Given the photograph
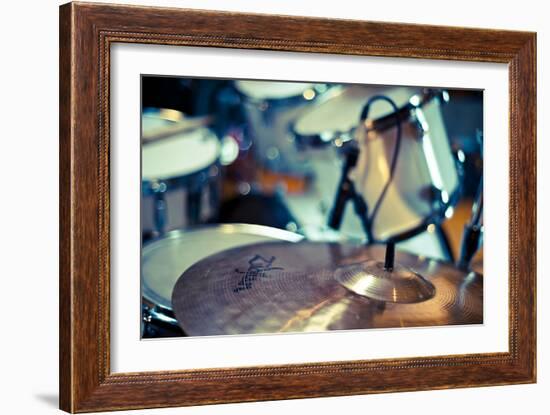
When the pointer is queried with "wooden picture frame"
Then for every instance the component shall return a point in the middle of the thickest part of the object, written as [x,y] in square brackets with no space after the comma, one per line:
[86,33]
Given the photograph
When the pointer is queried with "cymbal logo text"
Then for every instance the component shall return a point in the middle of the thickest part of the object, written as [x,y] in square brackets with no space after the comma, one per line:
[258,267]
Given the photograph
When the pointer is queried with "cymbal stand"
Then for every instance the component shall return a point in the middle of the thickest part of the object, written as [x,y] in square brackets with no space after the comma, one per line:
[473,232]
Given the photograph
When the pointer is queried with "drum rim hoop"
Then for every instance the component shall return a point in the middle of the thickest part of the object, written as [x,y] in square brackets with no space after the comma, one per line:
[379,124]
[279,102]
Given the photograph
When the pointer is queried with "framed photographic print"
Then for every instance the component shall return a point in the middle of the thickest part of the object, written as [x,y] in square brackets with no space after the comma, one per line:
[253,208]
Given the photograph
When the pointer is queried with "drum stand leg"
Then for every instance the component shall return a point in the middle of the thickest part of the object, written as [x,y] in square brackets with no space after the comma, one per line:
[160,213]
[193,207]
[444,242]
[473,232]
[346,192]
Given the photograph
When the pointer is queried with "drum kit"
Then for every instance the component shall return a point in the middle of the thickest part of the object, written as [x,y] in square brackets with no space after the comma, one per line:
[384,150]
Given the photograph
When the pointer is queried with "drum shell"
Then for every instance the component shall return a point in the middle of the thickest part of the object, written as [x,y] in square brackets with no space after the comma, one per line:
[427,176]
[201,188]
[181,178]
[426,180]
[270,123]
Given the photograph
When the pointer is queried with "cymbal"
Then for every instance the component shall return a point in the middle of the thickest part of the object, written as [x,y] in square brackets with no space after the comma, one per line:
[281,287]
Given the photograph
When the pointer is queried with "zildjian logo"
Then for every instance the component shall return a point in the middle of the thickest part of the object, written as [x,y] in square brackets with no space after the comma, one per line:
[257,267]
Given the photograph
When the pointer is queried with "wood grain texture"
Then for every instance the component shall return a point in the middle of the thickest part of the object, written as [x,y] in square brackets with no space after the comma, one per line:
[86,33]
[65,248]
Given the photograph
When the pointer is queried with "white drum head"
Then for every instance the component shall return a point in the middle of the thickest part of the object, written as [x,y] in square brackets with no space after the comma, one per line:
[271,90]
[341,112]
[153,120]
[179,155]
[164,260]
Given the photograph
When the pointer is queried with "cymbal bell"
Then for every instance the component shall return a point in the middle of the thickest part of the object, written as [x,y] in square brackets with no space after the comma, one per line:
[372,280]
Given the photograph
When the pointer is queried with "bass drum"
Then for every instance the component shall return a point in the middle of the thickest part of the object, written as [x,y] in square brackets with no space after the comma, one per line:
[165,259]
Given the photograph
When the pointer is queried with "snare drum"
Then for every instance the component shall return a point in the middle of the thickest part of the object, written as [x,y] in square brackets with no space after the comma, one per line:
[271,108]
[165,259]
[180,176]
[426,182]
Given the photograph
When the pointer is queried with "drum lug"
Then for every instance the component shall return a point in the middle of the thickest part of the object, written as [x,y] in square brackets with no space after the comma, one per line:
[145,315]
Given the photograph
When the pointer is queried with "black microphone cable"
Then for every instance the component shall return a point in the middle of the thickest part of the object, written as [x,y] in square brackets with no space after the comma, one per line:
[393,163]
